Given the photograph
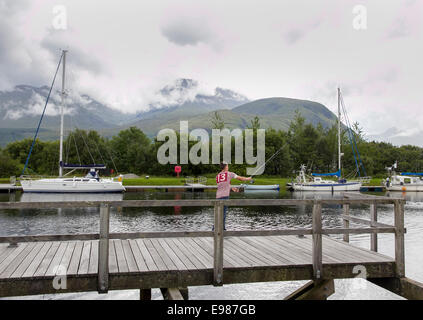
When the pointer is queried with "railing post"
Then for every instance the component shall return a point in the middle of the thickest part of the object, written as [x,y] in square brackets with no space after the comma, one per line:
[103,249]
[373,219]
[317,241]
[346,222]
[399,238]
[218,244]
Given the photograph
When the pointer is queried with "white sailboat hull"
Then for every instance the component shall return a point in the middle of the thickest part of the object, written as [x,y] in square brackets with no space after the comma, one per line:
[413,188]
[260,187]
[330,187]
[70,185]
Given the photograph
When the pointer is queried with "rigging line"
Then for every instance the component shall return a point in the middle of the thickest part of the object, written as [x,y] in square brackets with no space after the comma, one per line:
[111,158]
[269,159]
[354,150]
[42,115]
[76,148]
[88,146]
[355,143]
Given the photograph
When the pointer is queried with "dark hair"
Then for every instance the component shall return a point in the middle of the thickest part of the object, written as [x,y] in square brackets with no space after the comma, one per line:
[223,165]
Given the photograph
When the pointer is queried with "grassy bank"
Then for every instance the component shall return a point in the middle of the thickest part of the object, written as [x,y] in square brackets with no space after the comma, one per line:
[174,181]
[171,181]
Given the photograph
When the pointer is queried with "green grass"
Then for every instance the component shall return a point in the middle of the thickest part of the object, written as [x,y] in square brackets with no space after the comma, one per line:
[171,181]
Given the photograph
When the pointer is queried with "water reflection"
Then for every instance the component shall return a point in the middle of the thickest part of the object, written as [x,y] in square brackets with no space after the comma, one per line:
[67,197]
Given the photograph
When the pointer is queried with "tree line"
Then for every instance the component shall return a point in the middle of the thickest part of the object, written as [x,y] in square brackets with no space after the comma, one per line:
[131,151]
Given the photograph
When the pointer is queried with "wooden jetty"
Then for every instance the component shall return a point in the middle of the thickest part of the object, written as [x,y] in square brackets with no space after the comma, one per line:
[173,261]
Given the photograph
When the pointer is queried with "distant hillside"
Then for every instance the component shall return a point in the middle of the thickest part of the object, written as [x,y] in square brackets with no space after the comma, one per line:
[273,112]
[20,111]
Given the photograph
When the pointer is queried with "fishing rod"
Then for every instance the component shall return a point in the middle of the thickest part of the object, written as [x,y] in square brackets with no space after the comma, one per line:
[274,155]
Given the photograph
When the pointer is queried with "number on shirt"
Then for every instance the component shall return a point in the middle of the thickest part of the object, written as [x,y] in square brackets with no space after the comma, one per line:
[222,177]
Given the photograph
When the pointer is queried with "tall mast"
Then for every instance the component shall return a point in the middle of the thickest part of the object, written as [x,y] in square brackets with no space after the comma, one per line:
[339,129]
[62,114]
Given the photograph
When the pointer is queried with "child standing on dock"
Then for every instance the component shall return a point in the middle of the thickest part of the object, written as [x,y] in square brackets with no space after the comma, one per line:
[223,180]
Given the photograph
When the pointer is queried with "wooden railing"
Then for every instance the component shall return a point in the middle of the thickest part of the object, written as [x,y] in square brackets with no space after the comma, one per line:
[218,234]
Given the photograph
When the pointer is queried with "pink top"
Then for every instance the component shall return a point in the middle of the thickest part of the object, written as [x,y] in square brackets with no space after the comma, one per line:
[223,180]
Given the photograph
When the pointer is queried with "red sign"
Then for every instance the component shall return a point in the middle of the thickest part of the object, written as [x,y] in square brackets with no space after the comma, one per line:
[178,169]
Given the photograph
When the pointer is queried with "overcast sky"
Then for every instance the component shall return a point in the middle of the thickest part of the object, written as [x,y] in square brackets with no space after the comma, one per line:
[121,52]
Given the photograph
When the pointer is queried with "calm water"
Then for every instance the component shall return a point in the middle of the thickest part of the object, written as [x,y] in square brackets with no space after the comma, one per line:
[71,221]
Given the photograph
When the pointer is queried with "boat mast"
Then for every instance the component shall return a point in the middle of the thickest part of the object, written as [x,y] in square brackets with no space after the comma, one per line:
[62,114]
[339,129]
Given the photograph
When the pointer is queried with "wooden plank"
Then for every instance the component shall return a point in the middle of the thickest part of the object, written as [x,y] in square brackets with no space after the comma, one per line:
[113,264]
[14,264]
[45,263]
[12,255]
[55,262]
[129,256]
[399,238]
[155,255]
[252,257]
[93,266]
[106,258]
[120,257]
[66,259]
[149,261]
[283,250]
[195,258]
[76,258]
[373,256]
[165,257]
[317,251]
[304,244]
[218,245]
[298,252]
[243,256]
[346,222]
[200,252]
[6,252]
[268,248]
[183,256]
[23,266]
[85,258]
[269,259]
[228,259]
[192,203]
[139,259]
[37,260]
[205,245]
[171,294]
[170,251]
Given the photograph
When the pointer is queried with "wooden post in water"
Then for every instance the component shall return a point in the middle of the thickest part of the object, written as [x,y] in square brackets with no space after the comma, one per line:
[346,222]
[317,240]
[218,244]
[373,219]
[399,238]
[145,294]
[103,249]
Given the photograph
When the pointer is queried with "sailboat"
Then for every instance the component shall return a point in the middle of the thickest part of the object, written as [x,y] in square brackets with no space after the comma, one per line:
[91,183]
[316,182]
[405,181]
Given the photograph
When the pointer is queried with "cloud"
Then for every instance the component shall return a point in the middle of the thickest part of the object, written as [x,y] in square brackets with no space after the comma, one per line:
[399,29]
[187,31]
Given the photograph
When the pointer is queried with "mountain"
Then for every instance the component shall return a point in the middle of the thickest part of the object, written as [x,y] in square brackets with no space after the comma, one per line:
[185,97]
[273,112]
[21,108]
